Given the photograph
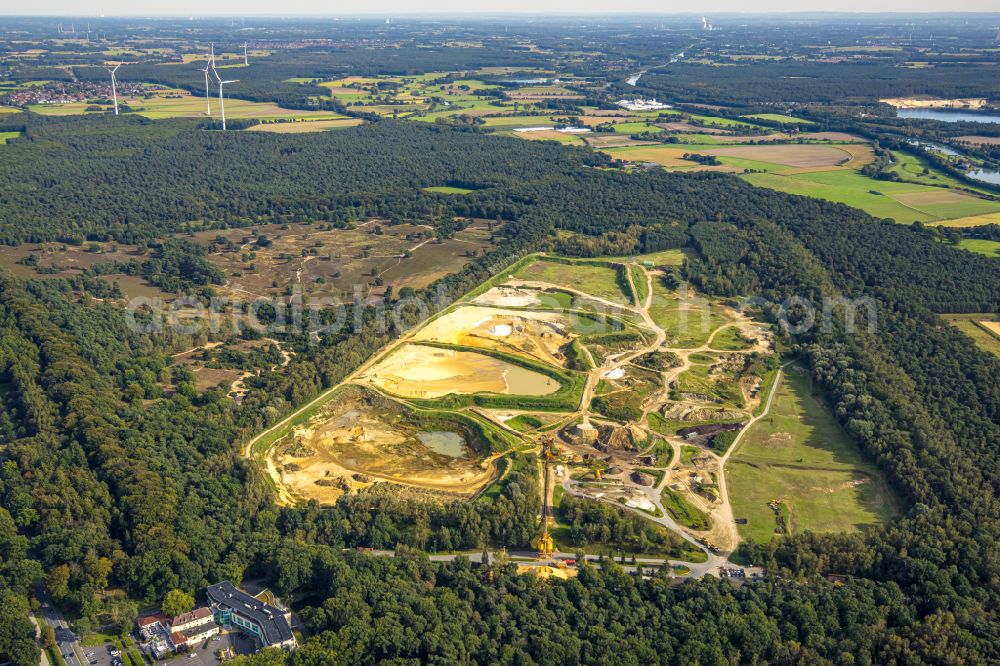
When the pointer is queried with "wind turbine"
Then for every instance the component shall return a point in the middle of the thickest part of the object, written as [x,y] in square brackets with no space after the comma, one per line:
[114,90]
[208,104]
[246,61]
[222,103]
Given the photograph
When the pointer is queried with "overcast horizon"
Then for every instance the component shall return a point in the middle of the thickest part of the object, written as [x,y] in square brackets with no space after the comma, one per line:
[185,8]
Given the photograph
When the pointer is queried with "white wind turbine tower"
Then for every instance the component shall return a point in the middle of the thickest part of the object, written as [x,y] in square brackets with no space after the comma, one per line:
[246,61]
[208,104]
[114,90]
[222,103]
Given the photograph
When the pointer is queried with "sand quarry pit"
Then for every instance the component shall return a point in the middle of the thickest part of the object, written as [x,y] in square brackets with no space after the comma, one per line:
[540,335]
[508,297]
[421,371]
[360,438]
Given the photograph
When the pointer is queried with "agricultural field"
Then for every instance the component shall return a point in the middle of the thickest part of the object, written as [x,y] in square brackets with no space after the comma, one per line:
[826,166]
[784,158]
[798,457]
[972,221]
[904,202]
[780,118]
[302,126]
[984,329]
[161,103]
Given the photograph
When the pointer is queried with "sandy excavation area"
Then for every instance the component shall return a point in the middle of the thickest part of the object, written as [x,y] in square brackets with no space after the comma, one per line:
[540,335]
[504,296]
[420,371]
[348,448]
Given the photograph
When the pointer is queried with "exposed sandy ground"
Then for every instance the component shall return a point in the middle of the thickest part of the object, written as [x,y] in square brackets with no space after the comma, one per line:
[539,335]
[921,103]
[504,296]
[419,371]
[348,447]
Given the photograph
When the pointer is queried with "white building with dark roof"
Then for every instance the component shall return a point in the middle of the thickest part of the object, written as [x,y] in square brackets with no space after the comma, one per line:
[269,625]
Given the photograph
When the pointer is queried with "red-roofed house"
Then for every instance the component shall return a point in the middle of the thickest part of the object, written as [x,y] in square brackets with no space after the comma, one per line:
[149,626]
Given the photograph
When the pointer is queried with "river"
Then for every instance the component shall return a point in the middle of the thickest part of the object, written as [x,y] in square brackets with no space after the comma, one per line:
[991,176]
[634,79]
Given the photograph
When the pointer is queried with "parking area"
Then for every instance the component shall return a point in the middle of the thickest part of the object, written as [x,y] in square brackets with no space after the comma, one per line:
[100,655]
[209,652]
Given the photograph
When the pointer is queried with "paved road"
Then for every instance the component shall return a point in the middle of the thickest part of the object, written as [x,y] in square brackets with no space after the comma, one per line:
[66,641]
[529,558]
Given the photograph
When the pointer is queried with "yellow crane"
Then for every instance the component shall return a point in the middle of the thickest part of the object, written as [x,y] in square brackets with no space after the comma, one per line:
[545,544]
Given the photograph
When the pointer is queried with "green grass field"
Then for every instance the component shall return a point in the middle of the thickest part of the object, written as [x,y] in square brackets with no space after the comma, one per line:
[688,322]
[989,248]
[683,511]
[967,324]
[798,455]
[781,118]
[880,198]
[600,281]
[444,189]
[6,136]
[730,339]
[661,258]
[513,122]
[697,380]
[911,168]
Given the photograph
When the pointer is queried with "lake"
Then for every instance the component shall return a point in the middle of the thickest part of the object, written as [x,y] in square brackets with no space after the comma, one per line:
[985,175]
[948,115]
[446,443]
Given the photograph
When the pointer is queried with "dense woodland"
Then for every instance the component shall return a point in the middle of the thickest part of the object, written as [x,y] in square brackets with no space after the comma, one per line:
[102,489]
[805,82]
